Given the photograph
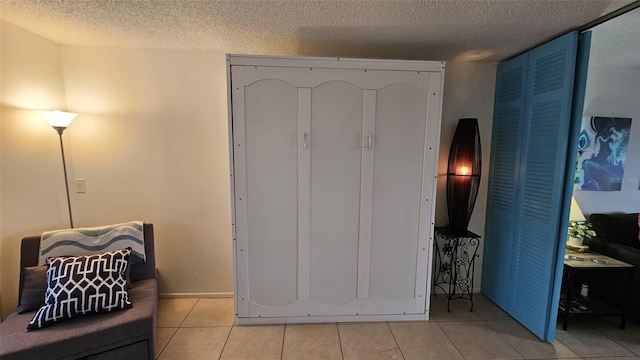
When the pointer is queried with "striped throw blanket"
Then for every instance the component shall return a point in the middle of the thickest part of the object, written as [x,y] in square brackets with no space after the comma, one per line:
[94,240]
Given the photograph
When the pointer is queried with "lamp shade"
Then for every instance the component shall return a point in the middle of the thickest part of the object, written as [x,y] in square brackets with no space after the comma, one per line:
[58,119]
[463,174]
[575,213]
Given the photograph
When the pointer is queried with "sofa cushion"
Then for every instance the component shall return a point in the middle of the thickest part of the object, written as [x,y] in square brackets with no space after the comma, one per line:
[33,288]
[617,228]
[85,335]
[81,285]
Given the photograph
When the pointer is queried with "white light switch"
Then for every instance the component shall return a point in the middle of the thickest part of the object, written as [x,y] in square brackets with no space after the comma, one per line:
[80,189]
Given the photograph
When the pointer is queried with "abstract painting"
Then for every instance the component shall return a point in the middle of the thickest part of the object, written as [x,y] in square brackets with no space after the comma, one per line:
[602,149]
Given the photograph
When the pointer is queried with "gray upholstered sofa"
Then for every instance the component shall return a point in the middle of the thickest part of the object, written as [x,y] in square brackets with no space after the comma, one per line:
[617,237]
[124,334]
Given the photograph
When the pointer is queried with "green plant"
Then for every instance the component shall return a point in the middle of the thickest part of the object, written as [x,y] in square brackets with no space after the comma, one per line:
[581,230]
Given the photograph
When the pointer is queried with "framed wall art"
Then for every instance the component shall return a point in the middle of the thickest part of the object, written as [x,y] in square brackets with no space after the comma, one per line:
[602,150]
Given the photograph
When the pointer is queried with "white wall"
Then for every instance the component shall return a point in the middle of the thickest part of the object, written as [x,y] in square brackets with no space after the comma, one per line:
[615,92]
[151,142]
[31,181]
[468,93]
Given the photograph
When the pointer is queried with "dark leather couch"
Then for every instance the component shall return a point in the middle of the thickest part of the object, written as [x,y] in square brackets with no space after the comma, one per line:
[124,334]
[617,237]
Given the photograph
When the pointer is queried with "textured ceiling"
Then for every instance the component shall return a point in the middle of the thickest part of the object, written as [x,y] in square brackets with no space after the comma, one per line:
[616,43]
[488,30]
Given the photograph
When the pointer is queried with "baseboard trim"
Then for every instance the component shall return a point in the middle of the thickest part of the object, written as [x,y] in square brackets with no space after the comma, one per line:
[196,295]
[230,294]
[329,319]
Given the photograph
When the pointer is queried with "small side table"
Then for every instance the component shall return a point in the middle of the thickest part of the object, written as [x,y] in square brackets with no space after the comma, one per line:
[575,263]
[455,263]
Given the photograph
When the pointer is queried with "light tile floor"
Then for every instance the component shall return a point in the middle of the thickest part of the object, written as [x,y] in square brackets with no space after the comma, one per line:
[203,329]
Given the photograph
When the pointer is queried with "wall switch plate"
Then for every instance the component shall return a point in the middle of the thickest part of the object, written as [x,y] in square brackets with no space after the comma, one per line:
[80,188]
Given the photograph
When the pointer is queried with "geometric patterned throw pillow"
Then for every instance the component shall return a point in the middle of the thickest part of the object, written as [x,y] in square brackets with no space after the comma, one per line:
[84,284]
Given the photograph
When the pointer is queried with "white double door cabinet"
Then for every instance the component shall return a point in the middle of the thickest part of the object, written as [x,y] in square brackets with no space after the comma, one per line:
[333,182]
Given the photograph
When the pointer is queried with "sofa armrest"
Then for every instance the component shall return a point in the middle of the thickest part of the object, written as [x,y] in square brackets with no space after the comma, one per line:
[147,269]
[600,245]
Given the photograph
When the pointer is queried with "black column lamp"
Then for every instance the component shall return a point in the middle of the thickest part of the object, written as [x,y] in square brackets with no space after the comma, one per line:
[463,174]
[60,120]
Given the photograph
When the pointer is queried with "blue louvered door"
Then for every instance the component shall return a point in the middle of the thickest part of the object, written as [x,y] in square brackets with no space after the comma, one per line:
[503,180]
[532,117]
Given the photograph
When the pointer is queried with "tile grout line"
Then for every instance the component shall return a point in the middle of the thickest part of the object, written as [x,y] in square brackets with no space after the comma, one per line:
[339,341]
[226,340]
[567,345]
[284,333]
[502,337]
[451,341]
[394,339]
[175,332]
[599,334]
[167,344]
[618,342]
[189,313]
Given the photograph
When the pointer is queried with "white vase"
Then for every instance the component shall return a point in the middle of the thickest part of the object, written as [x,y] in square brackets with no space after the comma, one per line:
[574,241]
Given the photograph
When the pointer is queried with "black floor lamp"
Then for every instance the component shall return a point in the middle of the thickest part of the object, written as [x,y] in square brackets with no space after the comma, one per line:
[60,120]
[463,174]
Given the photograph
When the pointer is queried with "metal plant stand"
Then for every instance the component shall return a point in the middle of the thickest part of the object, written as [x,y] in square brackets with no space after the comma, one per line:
[455,263]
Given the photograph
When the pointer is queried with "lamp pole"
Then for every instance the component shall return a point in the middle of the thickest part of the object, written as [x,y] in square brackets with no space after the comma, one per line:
[60,130]
[60,120]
